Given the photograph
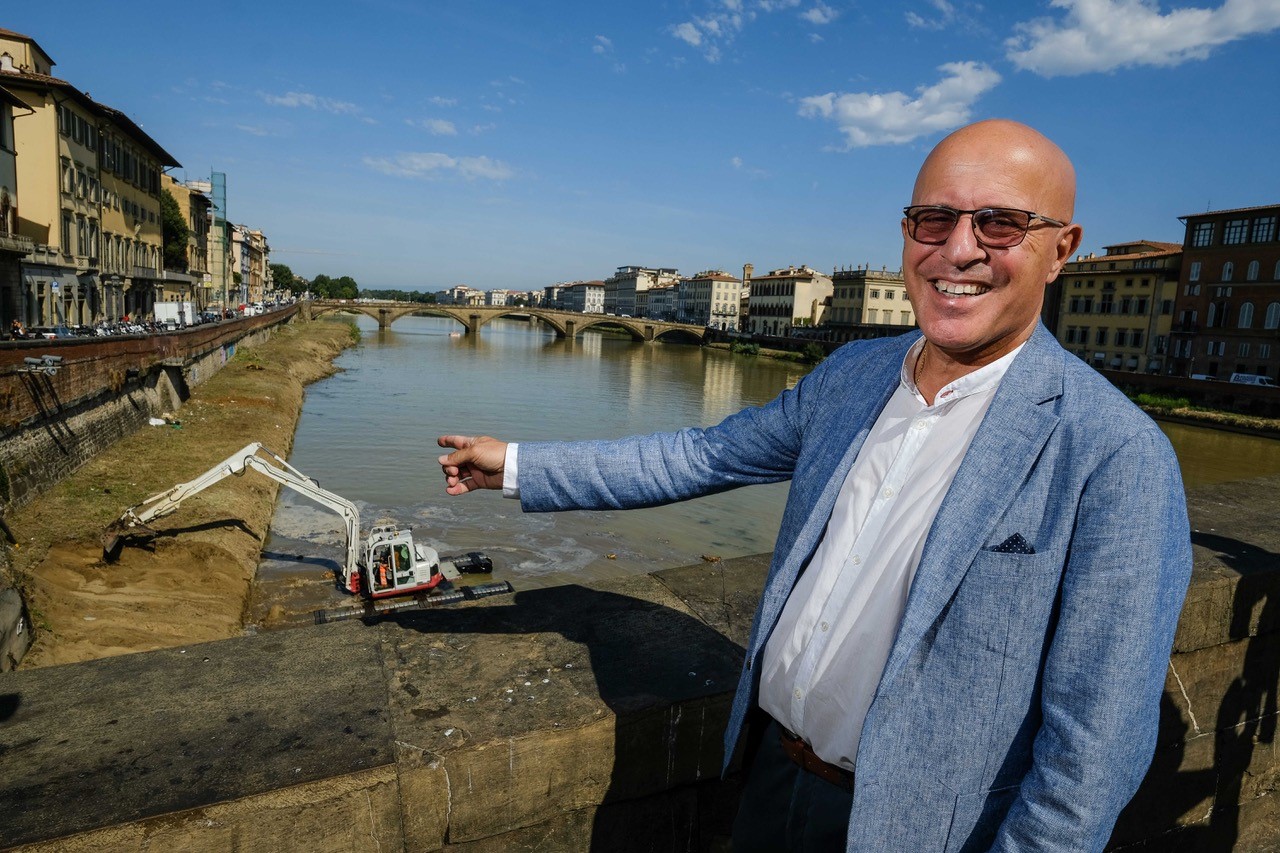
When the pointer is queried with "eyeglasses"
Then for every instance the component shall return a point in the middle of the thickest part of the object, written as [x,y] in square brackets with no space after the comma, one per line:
[994,227]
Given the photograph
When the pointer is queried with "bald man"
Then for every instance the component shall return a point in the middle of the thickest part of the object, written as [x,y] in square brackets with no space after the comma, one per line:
[966,625]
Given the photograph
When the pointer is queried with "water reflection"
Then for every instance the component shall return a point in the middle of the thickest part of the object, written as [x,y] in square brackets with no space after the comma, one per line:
[369,432]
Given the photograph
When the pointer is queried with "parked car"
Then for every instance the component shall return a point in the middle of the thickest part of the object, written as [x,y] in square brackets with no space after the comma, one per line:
[1253,379]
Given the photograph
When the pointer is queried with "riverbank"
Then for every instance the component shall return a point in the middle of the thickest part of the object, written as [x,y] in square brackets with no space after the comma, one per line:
[1231,421]
[188,589]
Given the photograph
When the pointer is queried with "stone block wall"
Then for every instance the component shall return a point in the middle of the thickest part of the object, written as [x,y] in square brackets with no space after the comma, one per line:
[104,389]
[1213,781]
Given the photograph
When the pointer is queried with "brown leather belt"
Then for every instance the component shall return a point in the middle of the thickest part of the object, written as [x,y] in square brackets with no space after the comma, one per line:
[805,758]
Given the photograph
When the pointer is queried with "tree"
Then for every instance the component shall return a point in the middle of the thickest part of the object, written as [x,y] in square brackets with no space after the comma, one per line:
[322,286]
[283,277]
[173,224]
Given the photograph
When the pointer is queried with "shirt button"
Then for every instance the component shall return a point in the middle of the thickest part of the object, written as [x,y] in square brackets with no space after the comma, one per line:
[797,693]
[888,493]
[826,626]
[857,561]
[919,425]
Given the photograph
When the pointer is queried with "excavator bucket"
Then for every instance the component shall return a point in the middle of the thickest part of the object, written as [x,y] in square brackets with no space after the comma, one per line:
[115,536]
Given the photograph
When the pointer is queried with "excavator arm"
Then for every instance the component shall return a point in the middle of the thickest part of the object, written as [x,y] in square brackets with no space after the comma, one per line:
[260,459]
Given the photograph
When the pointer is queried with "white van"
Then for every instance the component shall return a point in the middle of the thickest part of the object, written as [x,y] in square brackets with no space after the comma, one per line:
[1252,379]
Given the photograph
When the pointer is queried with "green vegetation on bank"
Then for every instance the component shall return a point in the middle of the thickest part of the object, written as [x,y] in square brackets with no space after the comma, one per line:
[399,295]
[1181,409]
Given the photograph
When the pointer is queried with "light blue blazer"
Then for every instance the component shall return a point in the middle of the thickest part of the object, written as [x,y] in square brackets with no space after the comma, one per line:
[1019,704]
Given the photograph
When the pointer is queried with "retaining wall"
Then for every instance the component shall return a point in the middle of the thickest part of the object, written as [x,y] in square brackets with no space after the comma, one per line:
[570,718]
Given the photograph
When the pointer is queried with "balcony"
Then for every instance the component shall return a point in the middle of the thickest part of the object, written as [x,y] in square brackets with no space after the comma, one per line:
[16,243]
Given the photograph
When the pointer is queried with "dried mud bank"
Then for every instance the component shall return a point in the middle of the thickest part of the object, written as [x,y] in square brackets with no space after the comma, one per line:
[189,588]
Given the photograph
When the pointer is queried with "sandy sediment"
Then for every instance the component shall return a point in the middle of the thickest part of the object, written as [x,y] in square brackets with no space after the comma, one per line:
[192,583]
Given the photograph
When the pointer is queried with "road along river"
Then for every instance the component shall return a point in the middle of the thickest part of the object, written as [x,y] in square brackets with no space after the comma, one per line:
[369,433]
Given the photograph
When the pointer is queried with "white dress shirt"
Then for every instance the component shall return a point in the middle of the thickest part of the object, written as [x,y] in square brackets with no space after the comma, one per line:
[824,659]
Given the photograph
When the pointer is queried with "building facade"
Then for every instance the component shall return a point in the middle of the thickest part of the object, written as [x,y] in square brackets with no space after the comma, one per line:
[787,298]
[626,291]
[711,298]
[660,303]
[1227,310]
[91,197]
[585,297]
[1116,311]
[13,246]
[864,301]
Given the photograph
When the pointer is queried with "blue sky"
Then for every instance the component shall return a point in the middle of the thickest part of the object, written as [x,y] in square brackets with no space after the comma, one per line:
[504,144]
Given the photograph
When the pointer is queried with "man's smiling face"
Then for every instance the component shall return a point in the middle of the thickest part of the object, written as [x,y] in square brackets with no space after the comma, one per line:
[976,303]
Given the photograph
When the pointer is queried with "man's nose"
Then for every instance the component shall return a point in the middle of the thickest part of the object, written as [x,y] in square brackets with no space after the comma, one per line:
[962,247]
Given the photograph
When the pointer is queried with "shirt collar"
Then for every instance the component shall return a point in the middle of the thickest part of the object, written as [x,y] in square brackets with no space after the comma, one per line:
[984,378]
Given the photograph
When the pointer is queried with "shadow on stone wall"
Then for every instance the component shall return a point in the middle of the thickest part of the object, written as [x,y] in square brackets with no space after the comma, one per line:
[644,659]
[1206,771]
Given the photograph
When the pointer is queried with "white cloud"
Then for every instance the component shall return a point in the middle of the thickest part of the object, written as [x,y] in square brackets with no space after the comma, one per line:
[736,162]
[713,32]
[313,102]
[602,45]
[820,14]
[687,33]
[253,130]
[483,128]
[435,126]
[437,101]
[433,164]
[1102,35]
[946,13]
[815,38]
[867,118]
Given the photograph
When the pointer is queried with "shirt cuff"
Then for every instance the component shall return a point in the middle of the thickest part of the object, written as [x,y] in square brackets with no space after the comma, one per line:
[511,472]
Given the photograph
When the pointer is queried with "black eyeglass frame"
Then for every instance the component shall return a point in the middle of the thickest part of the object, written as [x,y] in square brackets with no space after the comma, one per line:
[1032,216]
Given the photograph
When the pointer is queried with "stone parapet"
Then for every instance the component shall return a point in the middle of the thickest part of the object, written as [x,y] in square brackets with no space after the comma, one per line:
[568,718]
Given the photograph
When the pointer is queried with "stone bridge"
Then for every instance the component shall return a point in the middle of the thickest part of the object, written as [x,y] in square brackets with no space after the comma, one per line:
[567,324]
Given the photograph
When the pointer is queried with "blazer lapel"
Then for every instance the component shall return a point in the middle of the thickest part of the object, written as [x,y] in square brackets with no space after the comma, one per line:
[1003,451]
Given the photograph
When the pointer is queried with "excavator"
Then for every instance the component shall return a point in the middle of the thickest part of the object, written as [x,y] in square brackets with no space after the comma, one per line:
[384,564]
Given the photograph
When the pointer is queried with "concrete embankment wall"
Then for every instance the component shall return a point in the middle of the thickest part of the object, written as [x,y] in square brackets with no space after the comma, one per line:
[104,389]
[569,718]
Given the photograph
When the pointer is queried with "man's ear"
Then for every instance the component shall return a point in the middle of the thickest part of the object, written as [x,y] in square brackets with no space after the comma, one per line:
[1068,242]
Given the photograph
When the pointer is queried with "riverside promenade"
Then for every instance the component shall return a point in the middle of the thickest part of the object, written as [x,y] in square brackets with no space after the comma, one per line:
[568,718]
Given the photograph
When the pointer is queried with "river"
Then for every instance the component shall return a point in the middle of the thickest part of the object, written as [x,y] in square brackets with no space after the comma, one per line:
[369,434]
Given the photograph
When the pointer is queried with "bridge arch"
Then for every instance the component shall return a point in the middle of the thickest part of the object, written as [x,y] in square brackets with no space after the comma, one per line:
[567,324]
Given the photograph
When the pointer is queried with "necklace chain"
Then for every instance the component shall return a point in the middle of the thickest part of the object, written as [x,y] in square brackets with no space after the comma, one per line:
[919,368]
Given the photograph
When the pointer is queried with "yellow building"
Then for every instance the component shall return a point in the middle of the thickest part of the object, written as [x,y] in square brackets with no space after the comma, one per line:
[865,300]
[193,280]
[1115,311]
[13,246]
[786,298]
[91,198]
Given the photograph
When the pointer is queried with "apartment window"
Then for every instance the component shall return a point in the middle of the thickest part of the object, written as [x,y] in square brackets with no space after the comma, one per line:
[1264,350]
[1140,305]
[1243,350]
[1195,271]
[1275,274]
[68,177]
[1264,228]
[1252,273]
[875,294]
[66,232]
[1202,234]
[93,239]
[1074,305]
[1101,339]
[1135,337]
[1108,305]
[1126,304]
[82,236]
[906,318]
[1228,270]
[1235,231]
[1272,320]
[1161,344]
[1166,306]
